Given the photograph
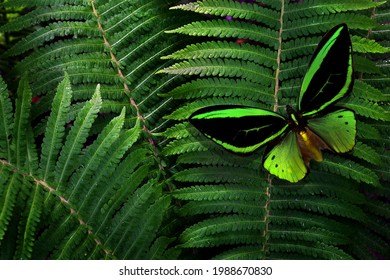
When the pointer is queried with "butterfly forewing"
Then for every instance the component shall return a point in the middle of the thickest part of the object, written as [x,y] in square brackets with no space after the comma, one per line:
[330,73]
[239,129]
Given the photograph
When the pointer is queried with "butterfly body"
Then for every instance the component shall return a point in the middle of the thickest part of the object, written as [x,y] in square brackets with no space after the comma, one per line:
[296,139]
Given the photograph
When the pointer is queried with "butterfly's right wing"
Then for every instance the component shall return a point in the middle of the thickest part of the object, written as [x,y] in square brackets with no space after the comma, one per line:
[239,129]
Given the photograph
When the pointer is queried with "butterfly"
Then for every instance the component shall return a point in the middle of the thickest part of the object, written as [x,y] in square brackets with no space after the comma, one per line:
[296,139]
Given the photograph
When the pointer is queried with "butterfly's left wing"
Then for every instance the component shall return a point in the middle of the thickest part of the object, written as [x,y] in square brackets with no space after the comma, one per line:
[239,129]
[330,73]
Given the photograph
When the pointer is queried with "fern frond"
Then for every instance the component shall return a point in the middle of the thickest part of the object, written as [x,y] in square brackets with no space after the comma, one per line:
[217,192]
[45,14]
[146,184]
[228,29]
[77,137]
[349,169]
[368,109]
[11,183]
[219,226]
[233,9]
[93,155]
[27,231]
[319,251]
[39,3]
[367,131]
[152,218]
[319,7]
[242,253]
[205,174]
[366,153]
[226,68]
[224,49]
[107,168]
[55,129]
[22,118]
[366,91]
[46,34]
[322,23]
[184,146]
[364,45]
[252,208]
[6,124]
[218,175]
[160,250]
[222,87]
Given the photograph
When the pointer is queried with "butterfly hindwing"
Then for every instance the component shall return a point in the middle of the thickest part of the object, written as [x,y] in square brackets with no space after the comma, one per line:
[239,129]
[285,161]
[337,129]
[330,73]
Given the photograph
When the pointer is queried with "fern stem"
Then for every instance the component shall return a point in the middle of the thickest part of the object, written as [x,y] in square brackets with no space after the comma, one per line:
[126,88]
[51,190]
[278,59]
[266,216]
[369,33]
[276,105]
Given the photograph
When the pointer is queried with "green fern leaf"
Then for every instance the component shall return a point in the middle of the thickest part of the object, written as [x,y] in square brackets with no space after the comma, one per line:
[11,184]
[311,8]
[39,37]
[107,168]
[368,109]
[160,250]
[93,154]
[152,218]
[33,212]
[226,68]
[77,137]
[6,124]
[364,45]
[22,117]
[350,169]
[222,87]
[366,91]
[55,129]
[227,29]
[320,251]
[242,253]
[223,49]
[217,192]
[217,175]
[44,14]
[234,9]
[366,153]
[218,226]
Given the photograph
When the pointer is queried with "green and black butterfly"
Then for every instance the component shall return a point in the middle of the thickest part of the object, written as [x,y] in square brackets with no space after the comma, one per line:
[298,138]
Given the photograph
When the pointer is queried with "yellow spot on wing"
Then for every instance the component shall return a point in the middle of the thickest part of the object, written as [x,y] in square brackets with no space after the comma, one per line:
[310,145]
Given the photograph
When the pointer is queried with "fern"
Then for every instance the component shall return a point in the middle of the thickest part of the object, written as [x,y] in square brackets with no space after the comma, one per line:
[71,145]
[103,164]
[218,187]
